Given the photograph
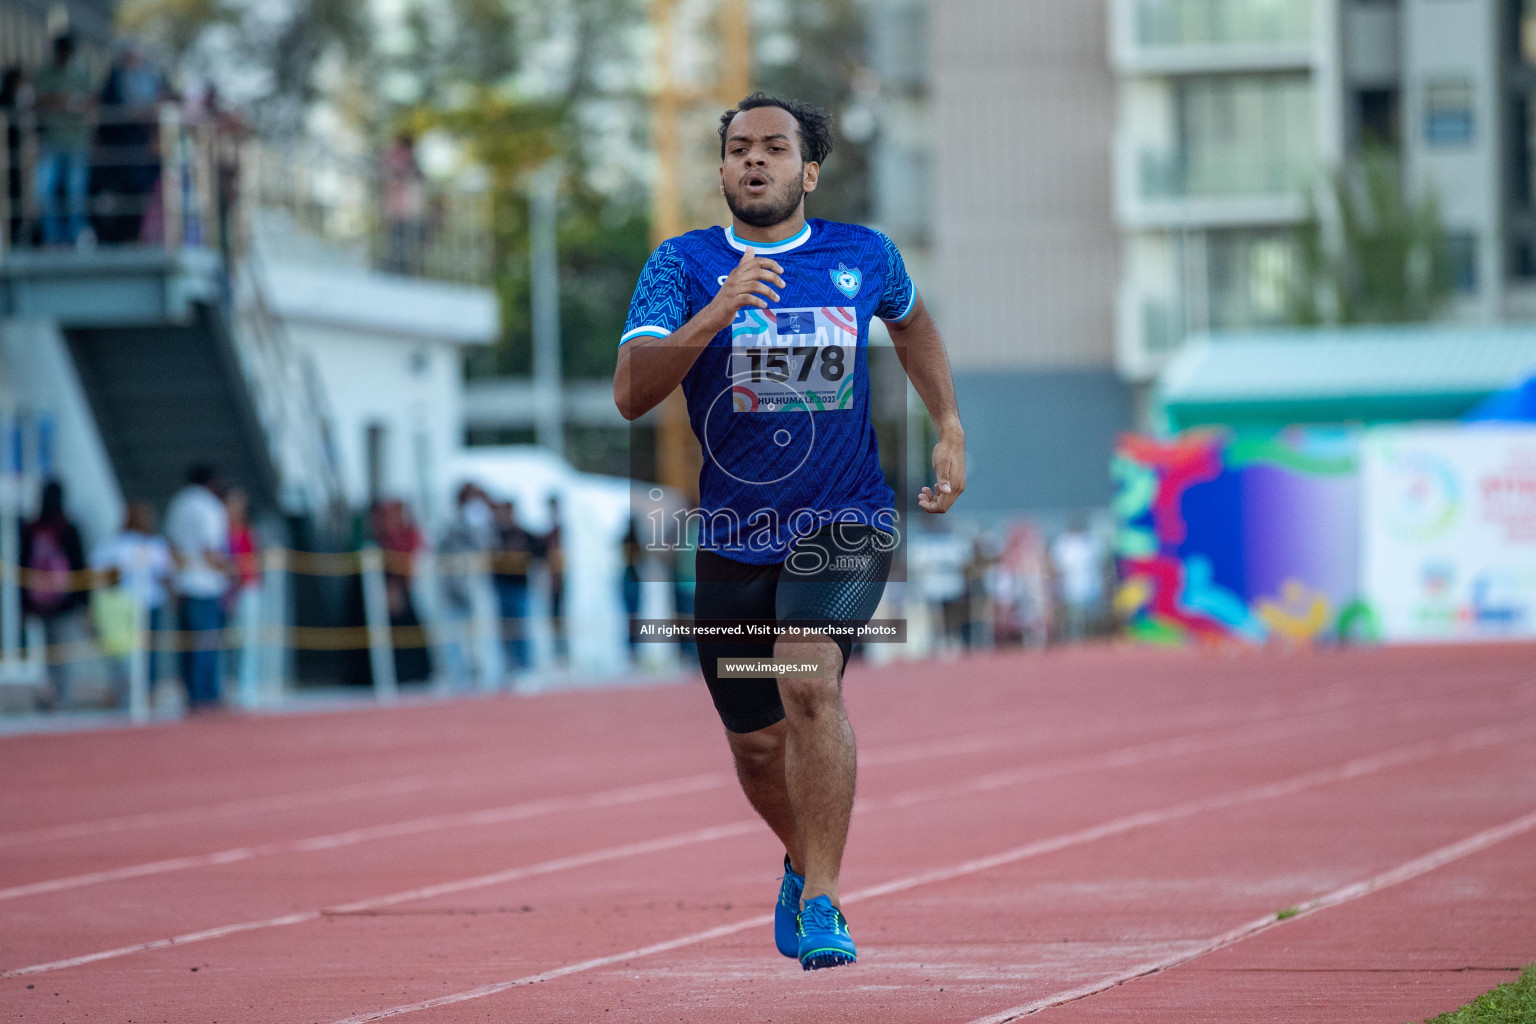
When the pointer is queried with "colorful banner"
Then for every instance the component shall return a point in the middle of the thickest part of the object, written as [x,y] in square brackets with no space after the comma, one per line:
[1227,536]
[1449,519]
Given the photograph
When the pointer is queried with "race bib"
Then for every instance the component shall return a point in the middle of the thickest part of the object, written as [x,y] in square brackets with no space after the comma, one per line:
[784,360]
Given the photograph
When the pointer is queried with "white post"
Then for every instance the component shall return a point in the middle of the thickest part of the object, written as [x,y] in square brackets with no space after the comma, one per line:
[248,613]
[10,589]
[274,627]
[138,665]
[485,624]
[5,193]
[381,649]
[37,653]
[170,176]
[545,270]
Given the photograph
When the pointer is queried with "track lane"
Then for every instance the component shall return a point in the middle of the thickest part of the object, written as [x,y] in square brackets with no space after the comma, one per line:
[725,805]
[418,941]
[431,929]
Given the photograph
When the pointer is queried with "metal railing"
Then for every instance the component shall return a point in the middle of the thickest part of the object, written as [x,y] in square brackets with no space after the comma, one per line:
[466,645]
[162,179]
[386,217]
[145,179]
[290,401]
[1223,22]
[1175,175]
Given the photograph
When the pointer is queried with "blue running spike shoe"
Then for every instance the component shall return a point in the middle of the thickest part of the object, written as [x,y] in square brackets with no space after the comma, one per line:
[824,938]
[786,933]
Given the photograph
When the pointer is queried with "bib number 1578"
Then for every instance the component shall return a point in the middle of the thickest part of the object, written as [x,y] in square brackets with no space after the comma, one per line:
[781,365]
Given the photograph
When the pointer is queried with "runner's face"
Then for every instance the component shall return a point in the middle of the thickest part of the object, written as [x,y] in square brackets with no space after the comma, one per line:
[764,177]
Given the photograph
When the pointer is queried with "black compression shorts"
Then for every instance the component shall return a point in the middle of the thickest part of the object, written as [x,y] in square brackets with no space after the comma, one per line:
[834,575]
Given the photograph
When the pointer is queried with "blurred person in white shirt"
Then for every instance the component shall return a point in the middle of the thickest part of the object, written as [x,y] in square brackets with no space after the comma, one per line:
[1079,561]
[197,527]
[139,562]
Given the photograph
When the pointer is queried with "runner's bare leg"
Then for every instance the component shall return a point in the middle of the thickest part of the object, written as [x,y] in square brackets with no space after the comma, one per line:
[820,762]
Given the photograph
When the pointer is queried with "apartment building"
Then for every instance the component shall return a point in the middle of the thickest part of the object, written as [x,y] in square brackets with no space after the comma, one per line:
[1024,249]
[1232,114]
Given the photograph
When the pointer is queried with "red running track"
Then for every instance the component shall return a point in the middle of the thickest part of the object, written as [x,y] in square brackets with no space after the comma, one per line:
[1095,836]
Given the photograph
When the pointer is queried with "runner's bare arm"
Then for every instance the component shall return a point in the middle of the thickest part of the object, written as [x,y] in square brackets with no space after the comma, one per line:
[668,360]
[921,350]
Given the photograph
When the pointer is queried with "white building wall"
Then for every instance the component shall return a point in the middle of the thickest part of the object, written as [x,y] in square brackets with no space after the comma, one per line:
[38,383]
[410,388]
[389,354]
[1026,251]
[1444,42]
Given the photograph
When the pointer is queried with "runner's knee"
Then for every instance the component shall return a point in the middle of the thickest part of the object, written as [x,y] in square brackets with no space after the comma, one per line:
[808,697]
[759,750]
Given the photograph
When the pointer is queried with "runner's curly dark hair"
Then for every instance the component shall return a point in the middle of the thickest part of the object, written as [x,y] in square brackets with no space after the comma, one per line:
[815,124]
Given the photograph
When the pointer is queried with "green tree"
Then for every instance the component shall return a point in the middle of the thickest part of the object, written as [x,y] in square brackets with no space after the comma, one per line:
[825,62]
[1386,261]
[469,92]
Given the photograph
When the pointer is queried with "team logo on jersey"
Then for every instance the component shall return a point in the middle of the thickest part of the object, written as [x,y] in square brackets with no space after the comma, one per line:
[847,279]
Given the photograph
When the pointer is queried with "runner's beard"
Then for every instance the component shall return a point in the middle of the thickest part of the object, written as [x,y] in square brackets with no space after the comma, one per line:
[771,209]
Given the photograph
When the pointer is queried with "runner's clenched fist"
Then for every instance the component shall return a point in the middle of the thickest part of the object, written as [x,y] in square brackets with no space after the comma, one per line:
[750,283]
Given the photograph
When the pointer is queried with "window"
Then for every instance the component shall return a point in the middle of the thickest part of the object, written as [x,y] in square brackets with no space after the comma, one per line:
[1523,261]
[1448,112]
[375,439]
[1461,251]
[1525,36]
[1247,134]
[1376,110]
[1248,278]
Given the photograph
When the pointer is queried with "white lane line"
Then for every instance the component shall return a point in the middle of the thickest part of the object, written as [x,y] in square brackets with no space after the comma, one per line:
[489,816]
[1215,712]
[1413,869]
[1338,773]
[230,809]
[1122,757]
[393,830]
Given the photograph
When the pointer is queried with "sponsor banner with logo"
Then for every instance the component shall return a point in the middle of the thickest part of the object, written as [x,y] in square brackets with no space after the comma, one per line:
[1449,531]
[1248,537]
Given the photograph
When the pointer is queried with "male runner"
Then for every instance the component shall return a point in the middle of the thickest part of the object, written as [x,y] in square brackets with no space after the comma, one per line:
[766,326]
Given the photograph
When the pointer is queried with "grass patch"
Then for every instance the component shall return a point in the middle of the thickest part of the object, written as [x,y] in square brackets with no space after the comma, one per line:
[1513,1003]
[1287,913]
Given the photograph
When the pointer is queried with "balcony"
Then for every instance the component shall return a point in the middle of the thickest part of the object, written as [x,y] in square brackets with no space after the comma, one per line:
[1161,37]
[157,186]
[1148,331]
[1161,189]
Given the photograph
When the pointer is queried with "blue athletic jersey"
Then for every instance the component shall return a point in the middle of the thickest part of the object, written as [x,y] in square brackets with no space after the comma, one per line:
[780,400]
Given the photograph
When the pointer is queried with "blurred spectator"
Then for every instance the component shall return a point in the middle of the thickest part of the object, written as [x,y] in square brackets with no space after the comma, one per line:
[139,562]
[405,207]
[1021,595]
[54,590]
[975,630]
[1079,561]
[553,549]
[680,561]
[128,144]
[514,548]
[633,554]
[244,551]
[66,98]
[471,532]
[242,603]
[228,136]
[197,527]
[397,535]
[15,97]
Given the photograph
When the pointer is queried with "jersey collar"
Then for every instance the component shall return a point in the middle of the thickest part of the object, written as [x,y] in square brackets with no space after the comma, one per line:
[794,241]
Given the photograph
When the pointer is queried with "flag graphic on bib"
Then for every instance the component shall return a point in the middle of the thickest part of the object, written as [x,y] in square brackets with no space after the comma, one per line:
[784,360]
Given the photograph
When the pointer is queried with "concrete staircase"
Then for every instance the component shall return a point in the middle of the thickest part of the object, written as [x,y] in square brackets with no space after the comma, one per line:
[170,395]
